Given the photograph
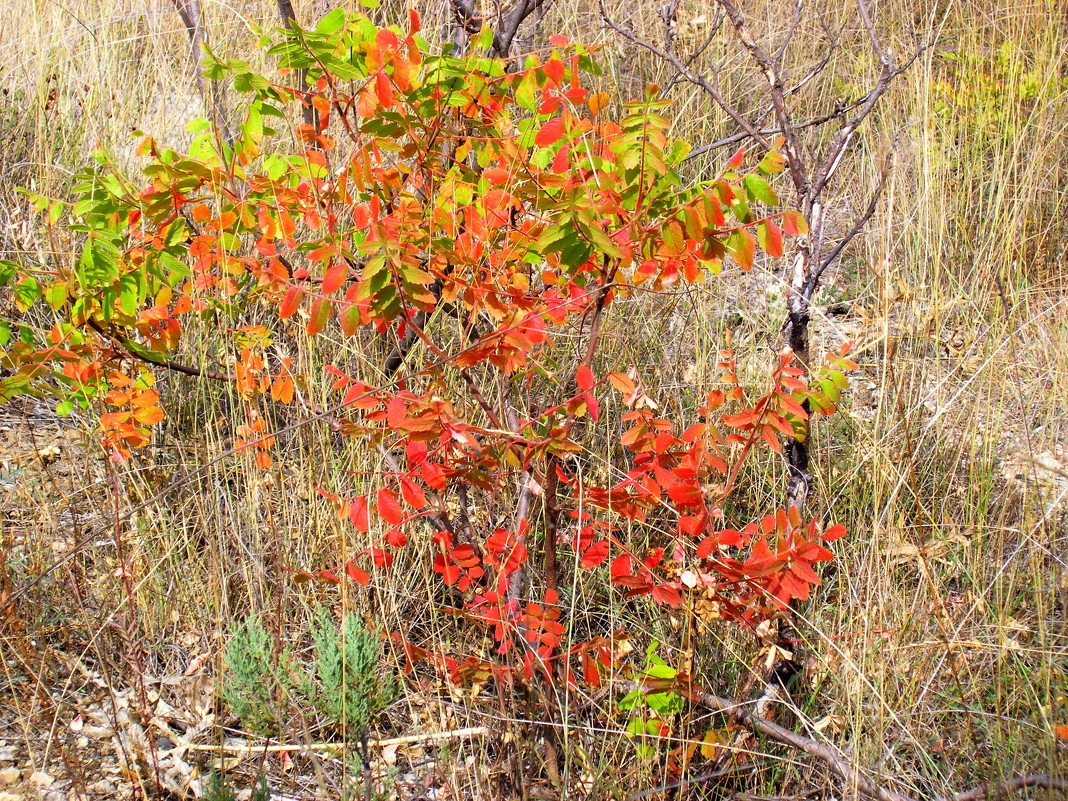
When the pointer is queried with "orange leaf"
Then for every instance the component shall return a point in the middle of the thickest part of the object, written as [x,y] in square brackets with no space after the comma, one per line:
[597,102]
[496,175]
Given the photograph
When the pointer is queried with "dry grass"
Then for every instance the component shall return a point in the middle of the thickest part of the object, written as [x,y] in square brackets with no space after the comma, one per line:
[937,648]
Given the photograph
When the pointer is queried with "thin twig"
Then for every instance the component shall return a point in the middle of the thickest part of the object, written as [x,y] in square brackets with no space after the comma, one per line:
[742,135]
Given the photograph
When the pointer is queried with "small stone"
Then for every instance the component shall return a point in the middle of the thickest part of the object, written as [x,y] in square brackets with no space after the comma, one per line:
[9,775]
[41,779]
[6,796]
[103,787]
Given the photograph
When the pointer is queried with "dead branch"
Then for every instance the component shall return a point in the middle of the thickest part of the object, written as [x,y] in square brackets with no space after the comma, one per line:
[132,349]
[842,766]
[770,68]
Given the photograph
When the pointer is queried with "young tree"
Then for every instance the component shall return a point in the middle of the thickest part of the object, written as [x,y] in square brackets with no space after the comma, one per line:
[485,216]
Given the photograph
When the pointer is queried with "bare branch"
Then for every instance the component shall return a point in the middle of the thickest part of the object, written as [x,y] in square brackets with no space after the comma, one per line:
[464,13]
[742,135]
[669,14]
[696,78]
[886,77]
[814,277]
[677,77]
[794,23]
[136,352]
[794,157]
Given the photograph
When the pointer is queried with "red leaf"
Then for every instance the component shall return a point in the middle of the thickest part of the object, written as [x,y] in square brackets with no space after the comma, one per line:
[686,494]
[381,558]
[396,538]
[562,160]
[834,533]
[389,508]
[793,223]
[585,379]
[772,239]
[622,566]
[335,276]
[594,555]
[361,577]
[590,672]
[291,302]
[736,159]
[412,493]
[667,595]
[707,547]
[592,406]
[559,40]
[550,132]
[359,514]
[396,412]
[383,89]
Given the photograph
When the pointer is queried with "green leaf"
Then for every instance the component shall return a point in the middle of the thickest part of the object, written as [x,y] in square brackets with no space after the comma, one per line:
[759,189]
[484,40]
[602,242]
[8,270]
[97,265]
[198,125]
[56,295]
[333,22]
[26,292]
